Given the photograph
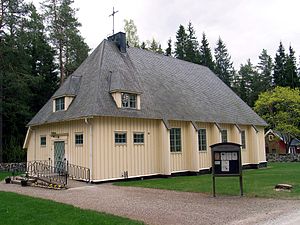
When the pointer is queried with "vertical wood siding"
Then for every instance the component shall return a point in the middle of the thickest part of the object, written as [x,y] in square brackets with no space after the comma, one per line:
[179,159]
[111,160]
[76,154]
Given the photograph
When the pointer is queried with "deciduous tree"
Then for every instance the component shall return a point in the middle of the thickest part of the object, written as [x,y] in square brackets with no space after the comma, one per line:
[130,29]
[280,108]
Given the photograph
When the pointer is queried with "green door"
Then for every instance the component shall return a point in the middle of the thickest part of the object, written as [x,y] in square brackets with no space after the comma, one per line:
[59,155]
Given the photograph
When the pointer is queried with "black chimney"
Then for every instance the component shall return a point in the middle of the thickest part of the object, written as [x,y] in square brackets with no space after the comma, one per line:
[120,40]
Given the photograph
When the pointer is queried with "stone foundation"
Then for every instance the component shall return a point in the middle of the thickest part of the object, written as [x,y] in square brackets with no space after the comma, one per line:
[273,157]
[10,167]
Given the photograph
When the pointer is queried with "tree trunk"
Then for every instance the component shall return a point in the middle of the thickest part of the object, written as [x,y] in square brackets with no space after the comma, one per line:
[61,63]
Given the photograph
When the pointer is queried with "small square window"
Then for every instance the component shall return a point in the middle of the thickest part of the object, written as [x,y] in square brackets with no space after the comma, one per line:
[78,139]
[60,104]
[224,137]
[120,138]
[43,141]
[129,100]
[138,138]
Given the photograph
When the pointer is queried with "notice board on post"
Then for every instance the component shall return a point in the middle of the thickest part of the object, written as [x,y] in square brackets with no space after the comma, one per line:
[226,161]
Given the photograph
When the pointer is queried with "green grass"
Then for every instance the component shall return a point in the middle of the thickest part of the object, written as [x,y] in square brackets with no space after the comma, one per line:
[257,182]
[4,174]
[25,210]
[20,209]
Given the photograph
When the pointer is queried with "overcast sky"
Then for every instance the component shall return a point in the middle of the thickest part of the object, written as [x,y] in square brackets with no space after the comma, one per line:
[246,26]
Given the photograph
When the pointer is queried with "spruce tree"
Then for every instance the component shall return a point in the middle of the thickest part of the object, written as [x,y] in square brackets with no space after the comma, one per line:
[291,76]
[206,58]
[279,67]
[250,85]
[191,46]
[223,65]
[265,68]
[180,44]
[169,49]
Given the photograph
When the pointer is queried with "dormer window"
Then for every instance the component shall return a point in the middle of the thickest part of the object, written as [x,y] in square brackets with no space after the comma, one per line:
[60,104]
[129,101]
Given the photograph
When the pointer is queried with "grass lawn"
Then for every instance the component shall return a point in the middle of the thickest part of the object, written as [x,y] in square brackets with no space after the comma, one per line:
[257,182]
[25,210]
[20,209]
[4,174]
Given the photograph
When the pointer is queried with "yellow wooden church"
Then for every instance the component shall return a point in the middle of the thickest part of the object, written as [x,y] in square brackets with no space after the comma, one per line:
[129,112]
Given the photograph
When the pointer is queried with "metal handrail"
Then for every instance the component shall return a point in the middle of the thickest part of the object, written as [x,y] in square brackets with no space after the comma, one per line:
[59,172]
[44,171]
[78,172]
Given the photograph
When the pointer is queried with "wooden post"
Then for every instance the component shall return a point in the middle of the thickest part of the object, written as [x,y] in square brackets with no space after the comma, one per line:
[214,186]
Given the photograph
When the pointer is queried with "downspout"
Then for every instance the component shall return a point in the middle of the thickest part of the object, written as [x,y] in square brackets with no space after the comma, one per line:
[91,148]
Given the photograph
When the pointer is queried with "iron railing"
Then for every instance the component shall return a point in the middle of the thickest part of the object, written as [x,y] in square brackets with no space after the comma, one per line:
[44,171]
[59,172]
[78,172]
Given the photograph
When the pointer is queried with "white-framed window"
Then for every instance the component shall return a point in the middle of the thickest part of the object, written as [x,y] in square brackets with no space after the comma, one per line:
[271,137]
[175,139]
[43,141]
[138,138]
[60,104]
[120,137]
[224,137]
[202,139]
[243,139]
[79,138]
[129,100]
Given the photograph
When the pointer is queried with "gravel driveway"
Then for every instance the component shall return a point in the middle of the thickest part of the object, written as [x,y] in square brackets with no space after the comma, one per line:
[169,207]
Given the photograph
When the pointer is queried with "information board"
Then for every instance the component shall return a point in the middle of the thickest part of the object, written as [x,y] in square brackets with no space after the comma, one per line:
[226,161]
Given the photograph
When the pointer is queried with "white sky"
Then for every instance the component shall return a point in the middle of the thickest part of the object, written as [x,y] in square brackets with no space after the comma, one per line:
[246,26]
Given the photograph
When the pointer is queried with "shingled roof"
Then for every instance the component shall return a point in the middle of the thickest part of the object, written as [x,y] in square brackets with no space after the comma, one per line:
[170,89]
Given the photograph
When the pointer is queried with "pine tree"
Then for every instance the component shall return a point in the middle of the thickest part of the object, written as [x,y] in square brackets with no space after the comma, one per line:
[265,67]
[180,44]
[169,49]
[223,64]
[279,67]
[132,37]
[62,26]
[191,46]
[291,79]
[206,58]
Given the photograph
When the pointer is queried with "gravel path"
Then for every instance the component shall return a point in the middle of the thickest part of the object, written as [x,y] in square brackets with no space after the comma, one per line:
[168,207]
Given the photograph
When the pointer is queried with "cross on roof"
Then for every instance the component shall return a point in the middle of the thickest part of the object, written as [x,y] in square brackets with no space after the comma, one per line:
[113,15]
